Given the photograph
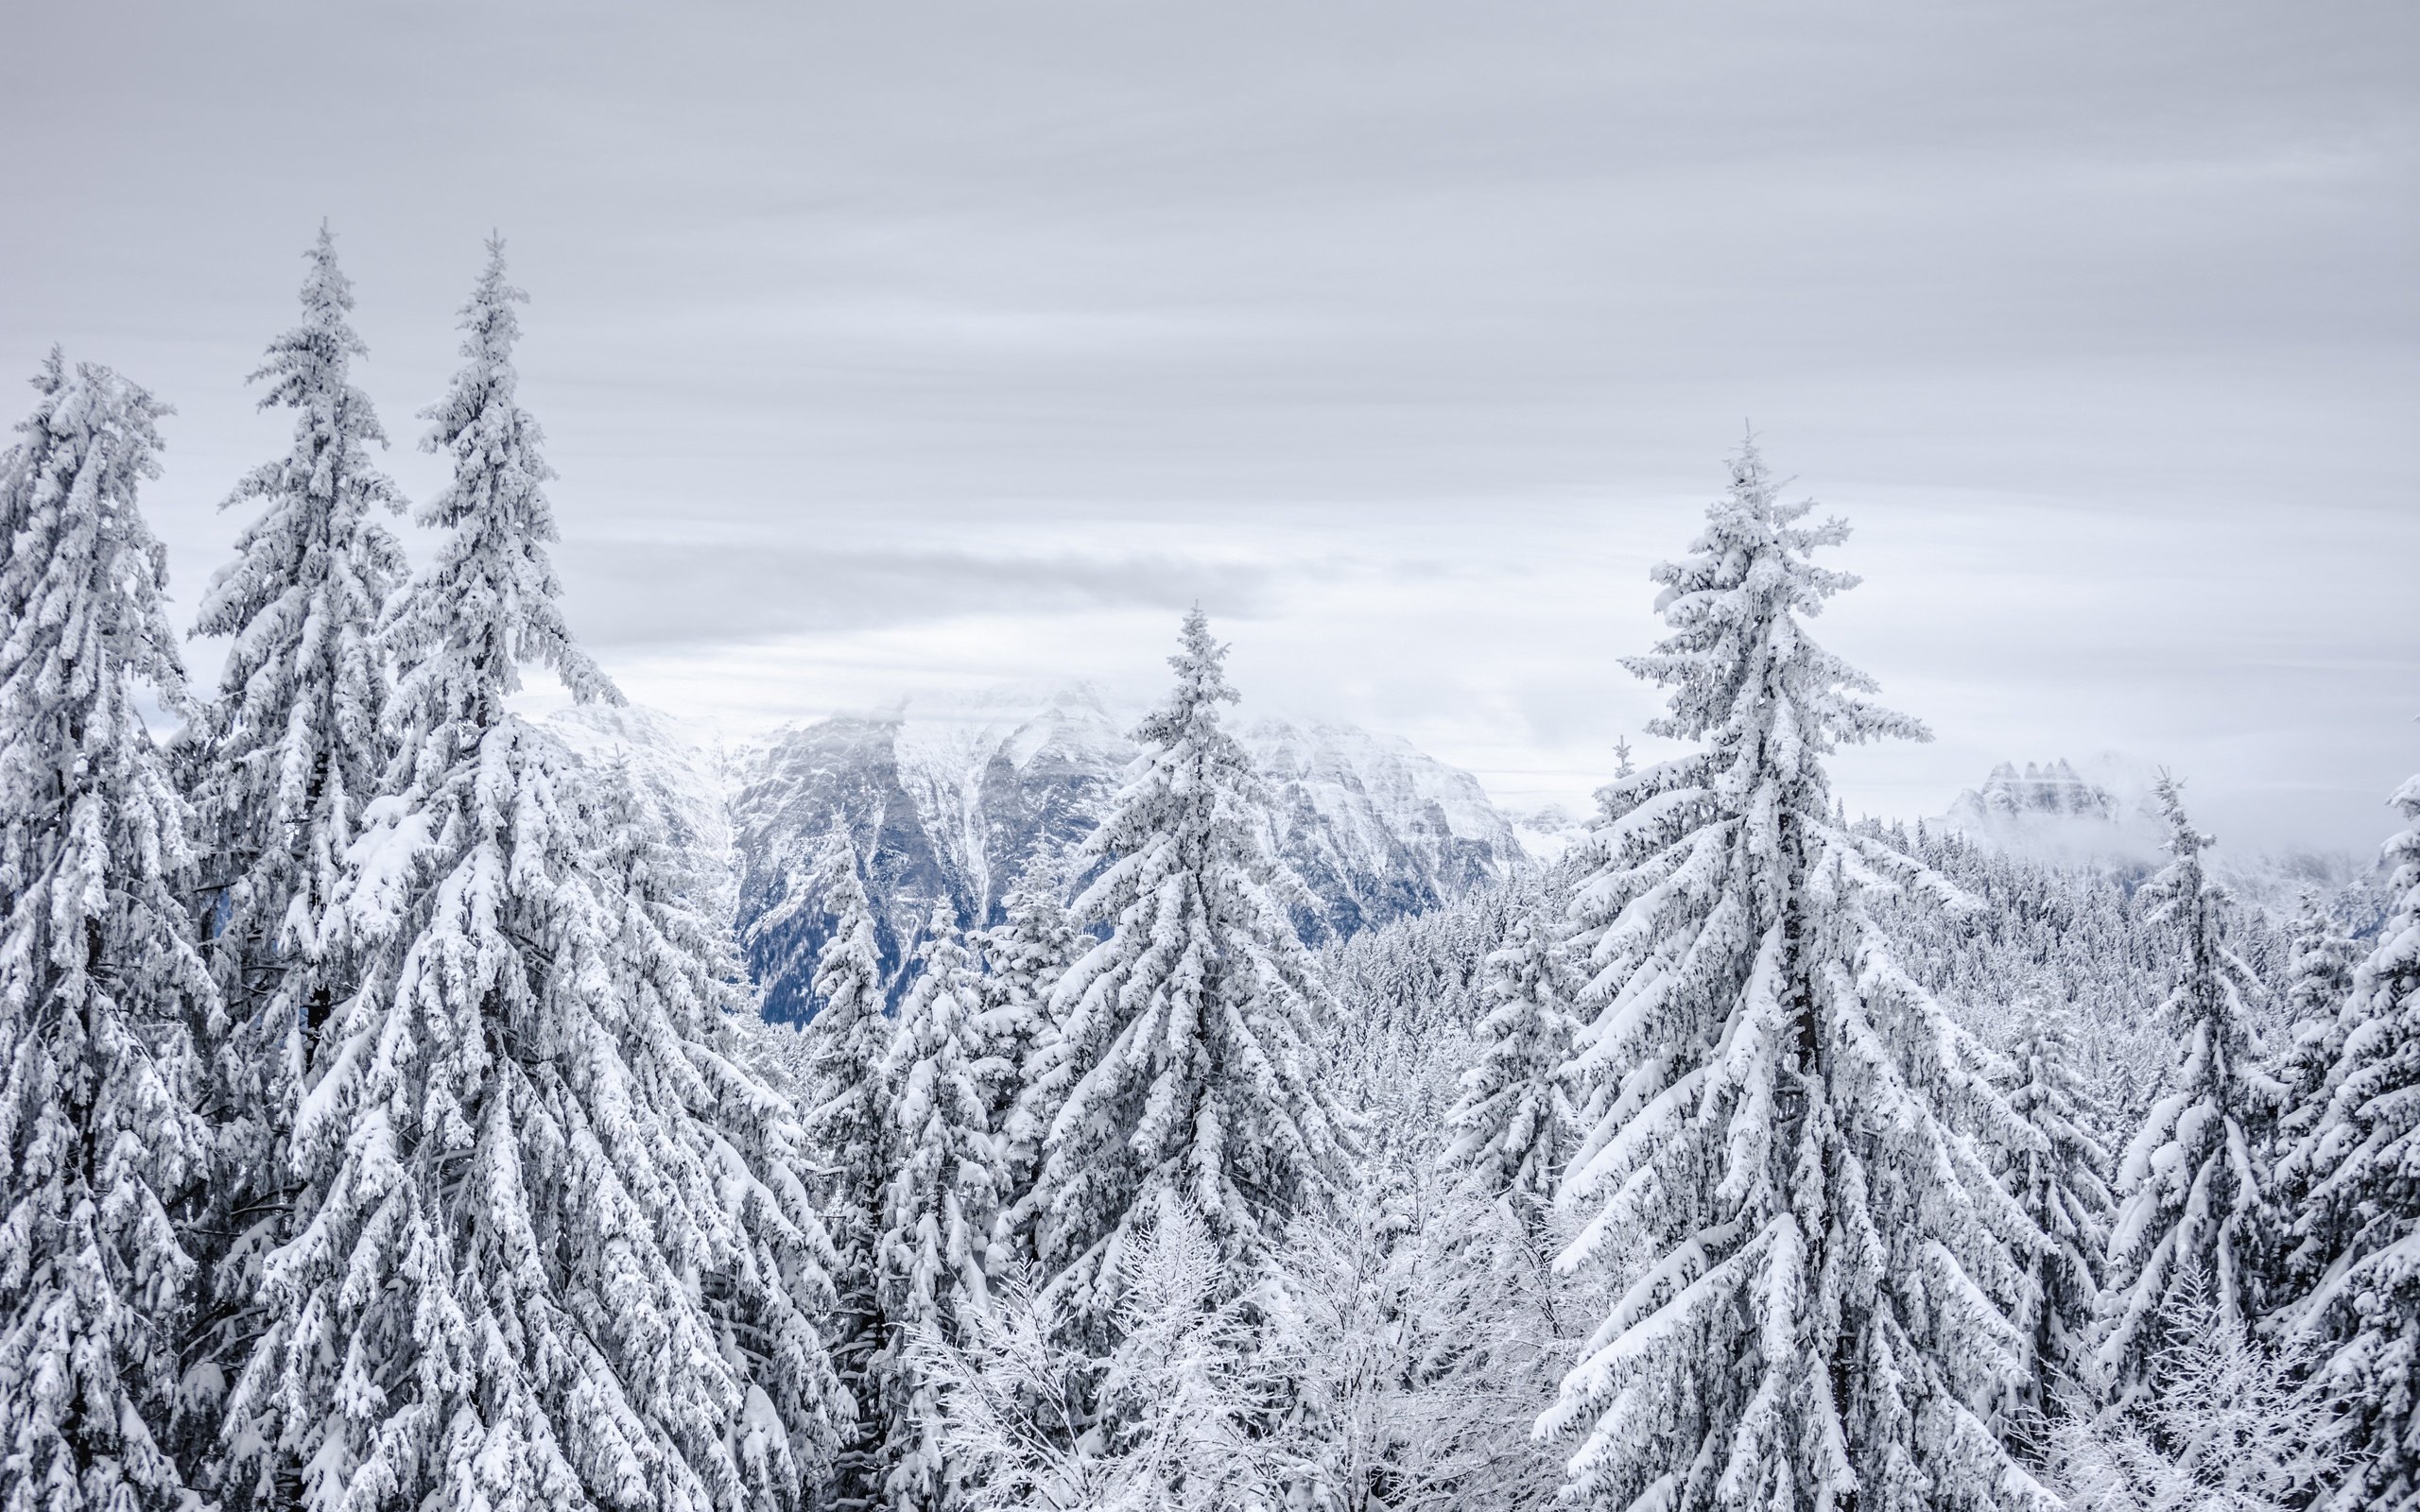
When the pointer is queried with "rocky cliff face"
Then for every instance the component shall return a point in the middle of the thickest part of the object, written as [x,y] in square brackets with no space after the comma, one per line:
[951,799]
[2054,790]
[2053,812]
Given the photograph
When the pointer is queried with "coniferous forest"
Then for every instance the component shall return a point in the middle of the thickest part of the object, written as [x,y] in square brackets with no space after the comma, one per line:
[388,1119]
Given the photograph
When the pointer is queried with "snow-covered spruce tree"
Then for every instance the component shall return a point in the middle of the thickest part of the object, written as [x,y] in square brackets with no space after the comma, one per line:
[2190,1181]
[2319,984]
[2058,1178]
[848,1127]
[2239,1426]
[2317,992]
[294,750]
[1182,1393]
[1024,958]
[1187,1033]
[101,984]
[1408,1370]
[2361,1219]
[522,1256]
[1829,1263]
[1512,1123]
[677,973]
[937,1206]
[2317,996]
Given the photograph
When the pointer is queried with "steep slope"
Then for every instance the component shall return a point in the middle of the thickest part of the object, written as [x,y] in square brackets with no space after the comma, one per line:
[950,797]
[1375,829]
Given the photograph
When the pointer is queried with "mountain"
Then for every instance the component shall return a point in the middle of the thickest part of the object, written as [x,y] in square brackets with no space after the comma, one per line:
[2106,818]
[2052,813]
[949,798]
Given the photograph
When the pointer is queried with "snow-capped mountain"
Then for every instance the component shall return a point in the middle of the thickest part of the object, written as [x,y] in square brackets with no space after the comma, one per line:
[2107,818]
[1549,833]
[950,797]
[2050,812]
[2009,796]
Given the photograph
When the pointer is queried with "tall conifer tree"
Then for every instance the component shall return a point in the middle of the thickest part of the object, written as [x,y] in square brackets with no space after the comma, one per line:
[524,1248]
[1024,956]
[294,751]
[2191,1182]
[1824,1315]
[2318,1011]
[2318,999]
[848,1127]
[1188,1039]
[1512,1124]
[2360,1221]
[2058,1178]
[101,984]
[938,1208]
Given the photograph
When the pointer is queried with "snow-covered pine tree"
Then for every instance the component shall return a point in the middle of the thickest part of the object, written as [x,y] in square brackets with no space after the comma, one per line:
[677,971]
[2317,995]
[2058,1178]
[938,1208]
[2190,1181]
[2360,1221]
[1024,958]
[848,1126]
[294,750]
[1187,1033]
[2319,987]
[1514,1121]
[100,984]
[1608,797]
[511,1215]
[1828,1263]
[2239,1426]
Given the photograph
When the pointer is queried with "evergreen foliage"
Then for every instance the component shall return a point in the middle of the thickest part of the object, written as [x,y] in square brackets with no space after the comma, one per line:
[2318,993]
[2191,1181]
[1514,1121]
[938,1206]
[294,750]
[2360,1221]
[386,1121]
[1830,1265]
[2058,1179]
[515,1202]
[849,1128]
[1189,1032]
[100,984]
[1024,956]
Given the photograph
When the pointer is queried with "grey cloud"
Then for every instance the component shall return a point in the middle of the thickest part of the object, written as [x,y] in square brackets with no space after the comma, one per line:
[1038,309]
[662,594]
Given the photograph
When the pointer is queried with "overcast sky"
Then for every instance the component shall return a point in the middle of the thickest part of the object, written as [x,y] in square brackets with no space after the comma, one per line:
[900,346]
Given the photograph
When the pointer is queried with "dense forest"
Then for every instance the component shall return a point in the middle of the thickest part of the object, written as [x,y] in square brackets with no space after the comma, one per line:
[390,1120]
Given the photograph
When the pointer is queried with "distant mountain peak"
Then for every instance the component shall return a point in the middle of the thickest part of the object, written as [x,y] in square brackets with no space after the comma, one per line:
[2051,812]
[947,796]
[2053,788]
